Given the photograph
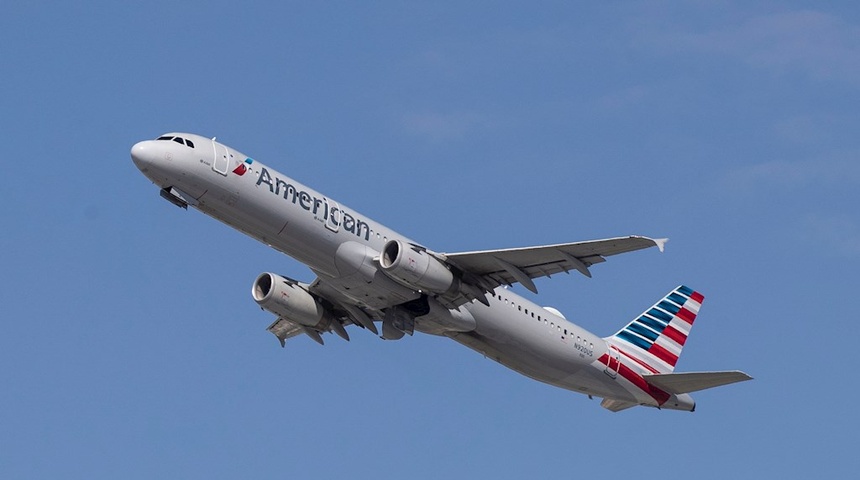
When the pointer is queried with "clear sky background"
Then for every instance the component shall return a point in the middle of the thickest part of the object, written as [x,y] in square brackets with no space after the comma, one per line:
[131,347]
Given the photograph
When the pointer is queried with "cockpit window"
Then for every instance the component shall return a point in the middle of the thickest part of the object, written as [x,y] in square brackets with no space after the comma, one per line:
[179,140]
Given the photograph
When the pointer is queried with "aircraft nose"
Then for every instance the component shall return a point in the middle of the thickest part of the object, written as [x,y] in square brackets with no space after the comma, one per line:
[142,154]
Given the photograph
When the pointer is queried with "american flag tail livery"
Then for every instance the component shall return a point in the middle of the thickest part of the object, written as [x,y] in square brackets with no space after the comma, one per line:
[654,340]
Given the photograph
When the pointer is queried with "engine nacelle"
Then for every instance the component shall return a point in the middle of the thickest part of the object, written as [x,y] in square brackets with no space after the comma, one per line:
[287,299]
[415,268]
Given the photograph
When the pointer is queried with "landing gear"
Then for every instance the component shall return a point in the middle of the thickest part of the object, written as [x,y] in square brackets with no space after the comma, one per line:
[399,320]
[173,196]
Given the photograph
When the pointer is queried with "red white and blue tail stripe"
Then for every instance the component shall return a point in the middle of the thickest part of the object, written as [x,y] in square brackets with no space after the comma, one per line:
[655,339]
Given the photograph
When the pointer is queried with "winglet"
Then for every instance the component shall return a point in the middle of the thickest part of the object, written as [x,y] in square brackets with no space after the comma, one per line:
[661,243]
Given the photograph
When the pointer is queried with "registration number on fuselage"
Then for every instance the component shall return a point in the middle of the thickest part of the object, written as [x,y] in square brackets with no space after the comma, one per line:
[583,350]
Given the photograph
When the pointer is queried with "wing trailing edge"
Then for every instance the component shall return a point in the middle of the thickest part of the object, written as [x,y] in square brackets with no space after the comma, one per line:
[521,265]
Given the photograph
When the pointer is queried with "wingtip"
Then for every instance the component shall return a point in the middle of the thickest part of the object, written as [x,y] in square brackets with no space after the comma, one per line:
[661,243]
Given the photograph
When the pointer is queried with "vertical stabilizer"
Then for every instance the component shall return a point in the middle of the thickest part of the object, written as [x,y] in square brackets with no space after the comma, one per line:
[655,339]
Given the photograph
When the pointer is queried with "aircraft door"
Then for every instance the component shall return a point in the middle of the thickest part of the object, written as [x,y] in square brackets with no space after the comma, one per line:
[614,362]
[334,216]
[220,158]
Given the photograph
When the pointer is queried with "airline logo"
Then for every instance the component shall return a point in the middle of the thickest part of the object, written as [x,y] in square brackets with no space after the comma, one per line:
[329,214]
[662,331]
[243,167]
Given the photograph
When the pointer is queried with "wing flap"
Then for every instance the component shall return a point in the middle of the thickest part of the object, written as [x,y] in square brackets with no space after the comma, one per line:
[689,382]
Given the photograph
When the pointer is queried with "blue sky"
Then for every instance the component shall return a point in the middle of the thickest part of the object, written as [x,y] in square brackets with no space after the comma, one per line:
[131,347]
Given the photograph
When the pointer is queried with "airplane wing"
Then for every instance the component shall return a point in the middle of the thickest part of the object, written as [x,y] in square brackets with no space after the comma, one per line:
[485,270]
[340,313]
[504,267]
[688,382]
[284,329]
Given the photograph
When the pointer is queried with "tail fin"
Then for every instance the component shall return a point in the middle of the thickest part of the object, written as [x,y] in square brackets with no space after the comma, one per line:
[655,339]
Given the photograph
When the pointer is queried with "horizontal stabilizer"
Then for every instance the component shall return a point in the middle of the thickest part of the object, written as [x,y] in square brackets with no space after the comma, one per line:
[616,405]
[687,382]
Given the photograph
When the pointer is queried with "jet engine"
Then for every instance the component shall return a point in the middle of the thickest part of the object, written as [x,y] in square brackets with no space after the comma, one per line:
[287,299]
[415,268]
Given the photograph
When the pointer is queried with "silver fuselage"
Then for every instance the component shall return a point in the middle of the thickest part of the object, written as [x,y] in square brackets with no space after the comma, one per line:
[325,235]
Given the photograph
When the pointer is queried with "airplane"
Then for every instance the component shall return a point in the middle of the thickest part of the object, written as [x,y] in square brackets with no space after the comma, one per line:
[367,273]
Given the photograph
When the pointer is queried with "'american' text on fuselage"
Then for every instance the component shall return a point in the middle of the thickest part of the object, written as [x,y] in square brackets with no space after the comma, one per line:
[312,204]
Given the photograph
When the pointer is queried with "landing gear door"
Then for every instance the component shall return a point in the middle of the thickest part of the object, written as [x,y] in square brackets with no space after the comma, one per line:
[221,158]
[332,220]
